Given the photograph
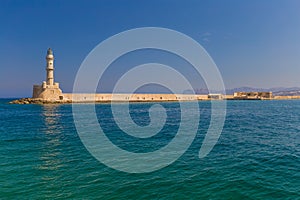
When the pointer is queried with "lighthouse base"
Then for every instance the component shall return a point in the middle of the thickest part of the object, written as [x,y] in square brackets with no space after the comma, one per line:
[47,92]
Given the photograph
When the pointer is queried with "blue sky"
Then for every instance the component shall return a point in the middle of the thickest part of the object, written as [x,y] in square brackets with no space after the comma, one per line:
[254,43]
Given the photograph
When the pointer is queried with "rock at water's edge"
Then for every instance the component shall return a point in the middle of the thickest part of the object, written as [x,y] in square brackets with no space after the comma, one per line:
[38,101]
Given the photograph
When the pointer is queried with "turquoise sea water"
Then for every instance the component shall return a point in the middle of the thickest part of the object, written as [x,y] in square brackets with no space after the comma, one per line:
[256,157]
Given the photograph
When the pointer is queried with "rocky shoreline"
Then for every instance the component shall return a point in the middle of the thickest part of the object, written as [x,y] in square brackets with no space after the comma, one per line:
[38,101]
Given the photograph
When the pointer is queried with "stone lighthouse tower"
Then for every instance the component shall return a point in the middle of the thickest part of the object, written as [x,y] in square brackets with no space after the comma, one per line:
[50,68]
[49,90]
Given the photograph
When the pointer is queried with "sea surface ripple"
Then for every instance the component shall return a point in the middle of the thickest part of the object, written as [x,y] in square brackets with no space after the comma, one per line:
[256,157]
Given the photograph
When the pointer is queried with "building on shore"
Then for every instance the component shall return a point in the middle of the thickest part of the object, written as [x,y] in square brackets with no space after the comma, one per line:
[216,96]
[253,95]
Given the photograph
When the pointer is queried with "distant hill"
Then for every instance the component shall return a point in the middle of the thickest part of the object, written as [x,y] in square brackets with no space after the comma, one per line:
[279,91]
[287,93]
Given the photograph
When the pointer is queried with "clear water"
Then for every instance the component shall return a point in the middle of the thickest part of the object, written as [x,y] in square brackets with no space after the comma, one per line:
[257,156]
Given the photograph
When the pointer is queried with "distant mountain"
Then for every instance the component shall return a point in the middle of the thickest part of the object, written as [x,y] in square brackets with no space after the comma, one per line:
[287,93]
[279,91]
[246,89]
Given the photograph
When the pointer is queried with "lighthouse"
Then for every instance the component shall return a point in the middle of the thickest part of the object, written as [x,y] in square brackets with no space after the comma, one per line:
[49,67]
[49,90]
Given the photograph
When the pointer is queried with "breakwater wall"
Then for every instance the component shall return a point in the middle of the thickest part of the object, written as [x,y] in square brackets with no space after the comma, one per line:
[102,98]
[130,97]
